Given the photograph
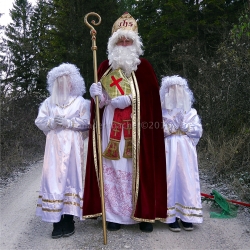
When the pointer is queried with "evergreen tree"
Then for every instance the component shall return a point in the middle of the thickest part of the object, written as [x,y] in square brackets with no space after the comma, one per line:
[70,39]
[126,6]
[216,18]
[20,47]
[162,24]
[3,59]
[40,34]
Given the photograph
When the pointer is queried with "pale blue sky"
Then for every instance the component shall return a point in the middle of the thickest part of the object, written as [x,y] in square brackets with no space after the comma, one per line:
[5,6]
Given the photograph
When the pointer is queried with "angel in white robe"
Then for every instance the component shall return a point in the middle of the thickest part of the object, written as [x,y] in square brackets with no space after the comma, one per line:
[182,131]
[64,118]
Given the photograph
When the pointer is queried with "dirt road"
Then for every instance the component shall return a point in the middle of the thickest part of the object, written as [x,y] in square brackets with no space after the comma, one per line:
[21,229]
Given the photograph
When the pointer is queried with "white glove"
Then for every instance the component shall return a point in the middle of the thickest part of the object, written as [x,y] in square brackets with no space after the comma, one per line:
[121,102]
[184,127]
[59,120]
[178,120]
[52,124]
[96,90]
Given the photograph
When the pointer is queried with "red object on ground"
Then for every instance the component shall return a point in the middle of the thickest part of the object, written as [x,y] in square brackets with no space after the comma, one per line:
[233,201]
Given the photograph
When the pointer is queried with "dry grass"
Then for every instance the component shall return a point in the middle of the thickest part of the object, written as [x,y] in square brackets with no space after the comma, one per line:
[228,160]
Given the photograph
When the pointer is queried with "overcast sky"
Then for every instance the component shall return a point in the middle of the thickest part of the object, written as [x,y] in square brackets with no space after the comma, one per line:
[5,6]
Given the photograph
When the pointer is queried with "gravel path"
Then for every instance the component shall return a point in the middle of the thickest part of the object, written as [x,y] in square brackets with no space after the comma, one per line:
[21,229]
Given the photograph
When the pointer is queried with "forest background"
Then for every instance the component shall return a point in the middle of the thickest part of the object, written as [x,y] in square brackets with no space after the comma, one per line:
[206,42]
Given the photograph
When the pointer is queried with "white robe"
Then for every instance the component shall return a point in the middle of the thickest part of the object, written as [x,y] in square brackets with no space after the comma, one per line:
[118,177]
[62,181]
[183,186]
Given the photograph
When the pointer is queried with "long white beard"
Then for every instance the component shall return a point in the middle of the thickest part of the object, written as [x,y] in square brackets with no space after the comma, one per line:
[124,57]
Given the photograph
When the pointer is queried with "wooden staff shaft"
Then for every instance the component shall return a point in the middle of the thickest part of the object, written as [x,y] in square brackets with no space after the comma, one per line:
[99,142]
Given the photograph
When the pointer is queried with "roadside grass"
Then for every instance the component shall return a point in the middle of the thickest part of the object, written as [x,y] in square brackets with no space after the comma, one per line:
[227,160]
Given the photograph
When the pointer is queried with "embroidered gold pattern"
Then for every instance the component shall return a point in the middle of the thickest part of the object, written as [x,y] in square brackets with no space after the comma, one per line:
[171,215]
[171,208]
[193,208]
[59,201]
[116,83]
[95,155]
[112,150]
[71,203]
[74,195]
[195,215]
[178,132]
[65,106]
[92,216]
[146,220]
[51,210]
[128,149]
[135,137]
[52,201]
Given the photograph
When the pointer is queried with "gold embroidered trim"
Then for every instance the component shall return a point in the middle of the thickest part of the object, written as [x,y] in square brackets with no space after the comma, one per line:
[135,137]
[112,150]
[116,75]
[74,195]
[128,149]
[71,203]
[65,106]
[91,216]
[195,215]
[178,132]
[193,208]
[107,71]
[95,155]
[147,220]
[133,118]
[171,215]
[52,201]
[58,210]
[60,201]
[51,210]
[170,208]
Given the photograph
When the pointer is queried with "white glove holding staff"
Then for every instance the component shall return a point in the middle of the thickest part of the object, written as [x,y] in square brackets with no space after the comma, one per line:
[96,90]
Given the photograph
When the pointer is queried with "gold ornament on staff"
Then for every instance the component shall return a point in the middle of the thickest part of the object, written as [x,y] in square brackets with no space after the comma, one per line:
[94,48]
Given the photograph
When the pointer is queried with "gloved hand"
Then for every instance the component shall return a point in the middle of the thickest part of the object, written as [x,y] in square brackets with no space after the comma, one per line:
[178,120]
[59,120]
[121,102]
[52,124]
[96,90]
[184,127]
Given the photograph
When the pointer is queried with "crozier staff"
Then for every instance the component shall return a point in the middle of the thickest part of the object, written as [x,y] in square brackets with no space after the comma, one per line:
[134,170]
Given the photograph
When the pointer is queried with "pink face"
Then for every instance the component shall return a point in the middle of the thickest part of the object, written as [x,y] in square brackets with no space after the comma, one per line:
[124,41]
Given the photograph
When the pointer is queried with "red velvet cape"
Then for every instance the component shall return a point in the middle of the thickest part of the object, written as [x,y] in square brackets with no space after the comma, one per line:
[152,196]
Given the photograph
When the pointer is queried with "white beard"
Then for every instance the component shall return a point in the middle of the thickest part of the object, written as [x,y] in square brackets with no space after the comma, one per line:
[124,57]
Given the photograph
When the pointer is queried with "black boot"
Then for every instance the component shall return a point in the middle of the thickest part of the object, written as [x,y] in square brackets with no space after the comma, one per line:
[146,227]
[57,229]
[68,225]
[112,226]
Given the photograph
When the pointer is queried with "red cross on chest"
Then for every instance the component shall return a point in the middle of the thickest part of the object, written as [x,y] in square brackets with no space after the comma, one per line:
[116,83]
